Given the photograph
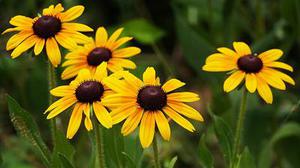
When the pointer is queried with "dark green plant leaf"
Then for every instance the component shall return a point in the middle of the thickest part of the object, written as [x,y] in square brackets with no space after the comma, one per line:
[143,31]
[246,160]
[287,130]
[62,148]
[27,128]
[204,154]
[172,162]
[64,161]
[129,160]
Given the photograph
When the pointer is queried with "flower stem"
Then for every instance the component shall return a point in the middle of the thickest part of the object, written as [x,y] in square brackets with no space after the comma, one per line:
[51,85]
[155,152]
[162,59]
[99,144]
[239,127]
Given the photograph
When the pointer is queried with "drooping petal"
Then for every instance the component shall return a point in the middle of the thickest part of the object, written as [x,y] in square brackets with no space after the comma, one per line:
[102,115]
[186,110]
[163,125]
[279,65]
[179,119]
[25,45]
[66,41]
[132,122]
[122,112]
[53,51]
[172,84]
[16,39]
[272,79]
[61,108]
[281,75]
[60,102]
[251,83]
[39,46]
[147,129]
[233,81]
[264,91]
[75,120]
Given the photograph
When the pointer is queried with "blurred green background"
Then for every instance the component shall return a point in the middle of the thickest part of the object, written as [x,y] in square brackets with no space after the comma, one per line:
[175,36]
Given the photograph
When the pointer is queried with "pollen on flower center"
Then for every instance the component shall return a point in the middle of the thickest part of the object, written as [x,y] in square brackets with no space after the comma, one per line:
[98,55]
[47,26]
[89,91]
[152,98]
[250,64]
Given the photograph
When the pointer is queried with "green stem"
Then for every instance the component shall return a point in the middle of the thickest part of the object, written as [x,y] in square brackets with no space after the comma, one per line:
[100,150]
[162,59]
[51,85]
[155,152]
[239,127]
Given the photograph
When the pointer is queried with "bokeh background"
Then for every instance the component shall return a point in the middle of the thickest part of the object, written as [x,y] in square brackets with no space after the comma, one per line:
[175,36]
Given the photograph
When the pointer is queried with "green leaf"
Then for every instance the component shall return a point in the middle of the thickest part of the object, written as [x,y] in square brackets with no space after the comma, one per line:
[62,148]
[129,160]
[195,47]
[172,162]
[224,135]
[287,130]
[64,161]
[246,160]
[27,128]
[143,31]
[204,154]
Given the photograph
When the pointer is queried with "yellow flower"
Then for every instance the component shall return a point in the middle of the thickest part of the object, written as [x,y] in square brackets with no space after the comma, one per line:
[146,103]
[86,92]
[103,49]
[259,72]
[46,30]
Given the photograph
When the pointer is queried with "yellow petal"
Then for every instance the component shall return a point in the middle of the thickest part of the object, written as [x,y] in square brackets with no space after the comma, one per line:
[233,81]
[16,39]
[118,86]
[147,129]
[21,21]
[77,27]
[241,48]
[53,51]
[114,37]
[270,55]
[251,82]
[102,115]
[75,120]
[228,52]
[123,63]
[120,42]
[101,71]
[25,45]
[179,119]
[217,57]
[264,91]
[126,52]
[62,91]
[66,41]
[84,75]
[172,84]
[219,67]
[122,112]
[132,122]
[101,36]
[72,71]
[183,97]
[280,65]
[163,125]
[72,13]
[133,81]
[149,76]
[117,99]
[186,110]
[61,108]
[281,75]
[60,102]
[39,46]
[272,79]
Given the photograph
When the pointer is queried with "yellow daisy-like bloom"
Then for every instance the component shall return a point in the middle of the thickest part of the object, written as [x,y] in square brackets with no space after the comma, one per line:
[103,49]
[146,103]
[258,71]
[46,30]
[86,92]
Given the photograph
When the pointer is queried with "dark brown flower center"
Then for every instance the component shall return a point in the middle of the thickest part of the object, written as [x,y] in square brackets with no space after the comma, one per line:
[89,91]
[152,98]
[47,26]
[98,55]
[250,64]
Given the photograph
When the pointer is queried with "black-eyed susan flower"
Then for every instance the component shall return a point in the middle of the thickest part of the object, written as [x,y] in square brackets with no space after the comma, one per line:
[86,92]
[46,30]
[146,103]
[258,71]
[103,49]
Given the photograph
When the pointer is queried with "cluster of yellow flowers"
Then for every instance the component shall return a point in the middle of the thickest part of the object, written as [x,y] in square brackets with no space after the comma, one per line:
[102,88]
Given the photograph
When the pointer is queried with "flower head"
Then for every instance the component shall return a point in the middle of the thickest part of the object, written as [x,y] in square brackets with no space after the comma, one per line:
[46,30]
[86,92]
[258,71]
[103,49]
[146,103]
